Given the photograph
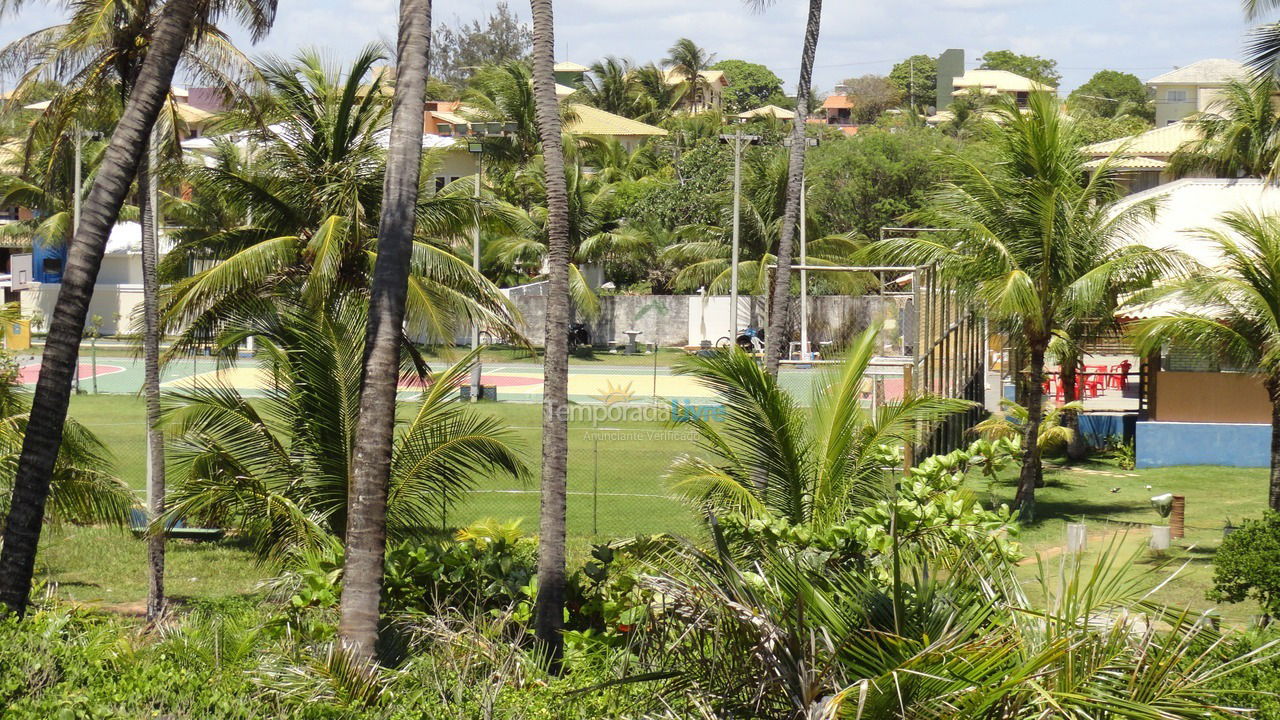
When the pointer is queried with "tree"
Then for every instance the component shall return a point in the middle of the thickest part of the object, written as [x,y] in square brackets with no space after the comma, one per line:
[871,95]
[548,619]
[609,86]
[751,85]
[94,58]
[1246,565]
[497,38]
[688,60]
[1239,133]
[276,468]
[873,179]
[308,202]
[772,458]
[1034,67]
[1263,46]
[917,79]
[1113,94]
[1231,311]
[176,22]
[776,336]
[366,534]
[1095,129]
[1041,241]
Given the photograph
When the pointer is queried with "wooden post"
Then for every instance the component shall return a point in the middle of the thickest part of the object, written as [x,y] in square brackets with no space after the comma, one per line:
[908,448]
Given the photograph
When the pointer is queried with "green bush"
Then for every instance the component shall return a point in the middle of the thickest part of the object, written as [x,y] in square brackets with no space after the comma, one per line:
[1247,565]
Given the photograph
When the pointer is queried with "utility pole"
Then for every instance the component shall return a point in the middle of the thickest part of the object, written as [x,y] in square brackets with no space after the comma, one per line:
[475,265]
[737,139]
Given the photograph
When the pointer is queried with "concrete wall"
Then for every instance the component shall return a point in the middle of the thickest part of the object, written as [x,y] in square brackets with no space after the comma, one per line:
[1210,397]
[1161,444]
[679,320]
[114,303]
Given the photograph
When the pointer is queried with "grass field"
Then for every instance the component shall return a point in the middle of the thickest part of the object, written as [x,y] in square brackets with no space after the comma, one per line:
[625,466]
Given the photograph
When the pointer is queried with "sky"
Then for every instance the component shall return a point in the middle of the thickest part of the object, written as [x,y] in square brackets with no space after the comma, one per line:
[1144,37]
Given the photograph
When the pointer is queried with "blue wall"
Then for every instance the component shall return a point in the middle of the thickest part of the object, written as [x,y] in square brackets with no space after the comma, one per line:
[40,251]
[1161,444]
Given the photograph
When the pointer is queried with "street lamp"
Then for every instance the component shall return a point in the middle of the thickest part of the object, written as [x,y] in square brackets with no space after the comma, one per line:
[805,352]
[738,138]
[475,132]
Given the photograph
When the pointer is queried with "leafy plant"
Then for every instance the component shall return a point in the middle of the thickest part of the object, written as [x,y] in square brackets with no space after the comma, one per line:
[1247,565]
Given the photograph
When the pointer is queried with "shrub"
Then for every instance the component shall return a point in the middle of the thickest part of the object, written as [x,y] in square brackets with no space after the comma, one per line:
[1247,565]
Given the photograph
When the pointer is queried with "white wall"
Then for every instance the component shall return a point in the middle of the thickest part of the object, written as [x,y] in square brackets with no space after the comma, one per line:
[114,303]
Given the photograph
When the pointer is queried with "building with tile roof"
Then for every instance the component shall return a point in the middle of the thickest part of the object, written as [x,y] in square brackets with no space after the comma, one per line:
[1192,89]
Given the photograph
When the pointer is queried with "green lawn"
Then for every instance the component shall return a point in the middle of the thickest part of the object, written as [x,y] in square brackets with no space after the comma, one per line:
[624,464]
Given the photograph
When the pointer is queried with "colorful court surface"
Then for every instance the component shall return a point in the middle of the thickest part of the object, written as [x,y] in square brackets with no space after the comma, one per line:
[516,382]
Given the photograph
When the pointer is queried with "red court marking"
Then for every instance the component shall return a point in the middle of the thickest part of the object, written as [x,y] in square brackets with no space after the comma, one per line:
[494,380]
[28,374]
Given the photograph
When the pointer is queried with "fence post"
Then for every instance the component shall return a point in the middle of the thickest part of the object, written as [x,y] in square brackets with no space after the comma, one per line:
[595,478]
[909,447]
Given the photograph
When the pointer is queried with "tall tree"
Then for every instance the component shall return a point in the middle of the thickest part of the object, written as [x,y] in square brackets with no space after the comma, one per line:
[917,78]
[1111,94]
[499,37]
[609,86]
[62,348]
[751,85]
[779,307]
[1040,243]
[1263,47]
[1239,133]
[366,536]
[1234,311]
[93,59]
[1040,69]
[549,608]
[688,60]
[871,95]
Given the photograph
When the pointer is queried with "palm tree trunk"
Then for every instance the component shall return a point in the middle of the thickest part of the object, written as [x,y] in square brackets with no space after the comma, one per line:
[1070,418]
[1273,497]
[775,339]
[549,607]
[62,345]
[1025,500]
[151,389]
[366,530]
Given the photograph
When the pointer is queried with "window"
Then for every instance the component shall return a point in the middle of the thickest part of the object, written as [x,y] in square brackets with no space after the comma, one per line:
[52,265]
[1176,96]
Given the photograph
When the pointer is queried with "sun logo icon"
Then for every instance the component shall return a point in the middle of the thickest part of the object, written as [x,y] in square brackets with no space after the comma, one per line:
[613,394]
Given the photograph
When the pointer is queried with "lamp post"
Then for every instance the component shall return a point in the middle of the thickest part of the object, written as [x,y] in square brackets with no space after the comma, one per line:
[805,353]
[475,145]
[738,138]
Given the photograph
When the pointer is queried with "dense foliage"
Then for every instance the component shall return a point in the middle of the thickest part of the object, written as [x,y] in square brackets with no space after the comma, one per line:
[1247,565]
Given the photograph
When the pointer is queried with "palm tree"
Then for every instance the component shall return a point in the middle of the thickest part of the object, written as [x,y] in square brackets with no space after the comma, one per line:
[1239,134]
[687,60]
[308,201]
[769,456]
[549,607]
[784,637]
[1263,48]
[610,161]
[609,86]
[173,31]
[1037,242]
[91,56]
[1233,310]
[375,425]
[276,468]
[779,316]
[656,99]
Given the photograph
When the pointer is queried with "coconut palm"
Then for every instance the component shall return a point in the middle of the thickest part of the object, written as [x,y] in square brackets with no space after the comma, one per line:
[781,638]
[776,336]
[688,61]
[375,425]
[308,200]
[277,467]
[1038,242]
[1233,309]
[609,86]
[549,608]
[656,98]
[1239,133]
[83,488]
[769,456]
[174,28]
[610,161]
[100,48]
[1008,423]
[505,93]
[1263,47]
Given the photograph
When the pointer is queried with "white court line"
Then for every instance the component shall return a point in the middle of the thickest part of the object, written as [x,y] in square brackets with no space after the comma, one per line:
[573,492]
